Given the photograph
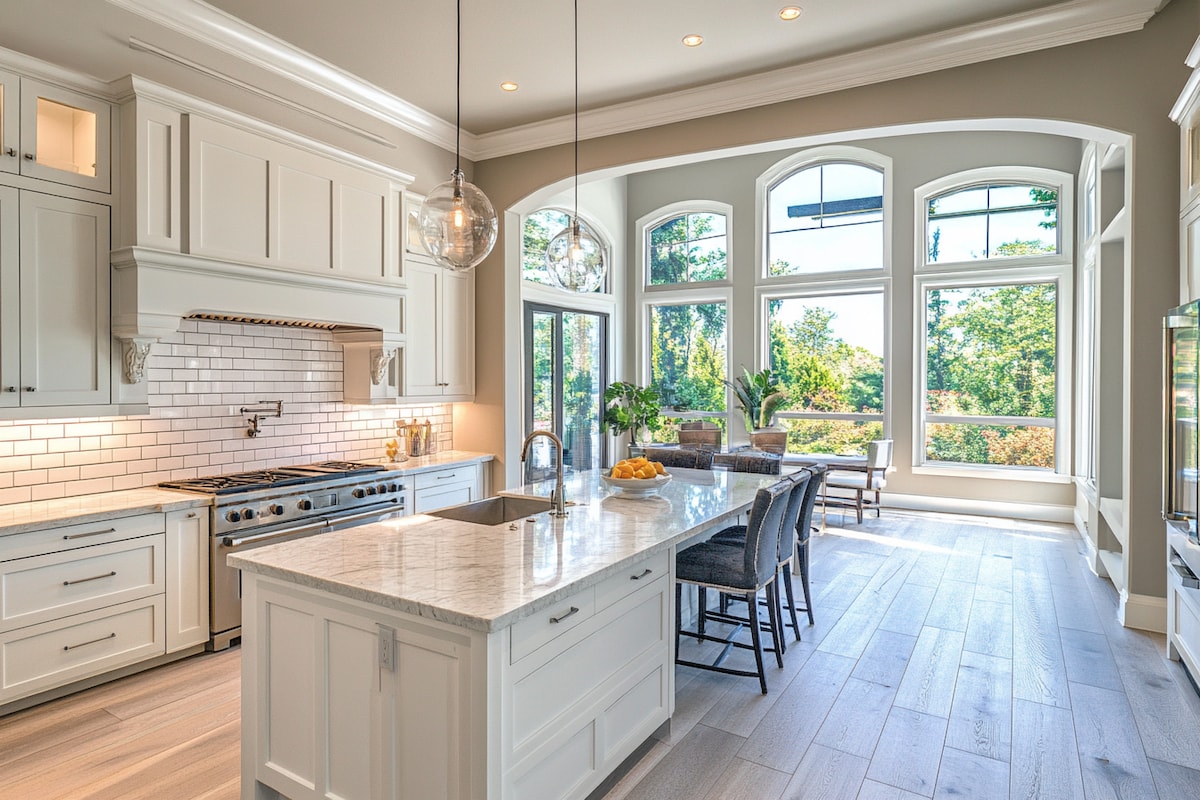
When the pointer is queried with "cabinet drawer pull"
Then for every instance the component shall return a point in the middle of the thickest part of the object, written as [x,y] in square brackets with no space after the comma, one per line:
[444,477]
[93,578]
[191,515]
[86,535]
[560,618]
[112,635]
[11,152]
[30,157]
[643,574]
[29,388]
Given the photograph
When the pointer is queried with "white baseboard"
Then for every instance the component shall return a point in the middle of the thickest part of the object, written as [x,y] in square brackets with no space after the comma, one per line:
[1039,512]
[1143,612]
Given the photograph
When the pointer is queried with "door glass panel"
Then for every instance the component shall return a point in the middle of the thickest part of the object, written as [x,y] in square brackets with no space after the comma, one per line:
[66,138]
[565,379]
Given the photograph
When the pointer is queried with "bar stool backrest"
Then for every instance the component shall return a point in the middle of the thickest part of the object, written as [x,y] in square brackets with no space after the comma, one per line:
[791,514]
[680,457]
[804,524]
[762,530]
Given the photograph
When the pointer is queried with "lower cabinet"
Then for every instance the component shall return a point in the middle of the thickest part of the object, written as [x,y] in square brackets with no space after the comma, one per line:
[1183,600]
[342,698]
[446,487]
[77,601]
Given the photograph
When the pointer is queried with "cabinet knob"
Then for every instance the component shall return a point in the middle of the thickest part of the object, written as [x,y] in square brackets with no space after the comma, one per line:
[10,388]
[30,157]
[29,388]
[11,152]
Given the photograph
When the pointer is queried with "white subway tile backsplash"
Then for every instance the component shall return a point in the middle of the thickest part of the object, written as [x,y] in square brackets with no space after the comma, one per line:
[198,381]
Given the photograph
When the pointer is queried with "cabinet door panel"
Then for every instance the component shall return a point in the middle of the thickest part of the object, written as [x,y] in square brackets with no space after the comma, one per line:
[10,122]
[303,234]
[228,192]
[458,334]
[64,301]
[65,136]
[10,299]
[187,554]
[360,227]
[421,328]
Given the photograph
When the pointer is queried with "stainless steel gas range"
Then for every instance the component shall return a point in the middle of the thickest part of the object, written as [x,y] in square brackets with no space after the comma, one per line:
[251,509]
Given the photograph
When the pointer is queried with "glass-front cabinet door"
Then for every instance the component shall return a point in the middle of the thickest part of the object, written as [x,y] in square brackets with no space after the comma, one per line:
[60,135]
[10,122]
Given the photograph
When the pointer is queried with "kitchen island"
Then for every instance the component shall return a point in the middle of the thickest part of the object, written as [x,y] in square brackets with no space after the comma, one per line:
[432,658]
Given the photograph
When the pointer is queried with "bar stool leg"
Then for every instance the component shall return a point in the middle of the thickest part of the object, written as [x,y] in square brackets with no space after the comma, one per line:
[756,635]
[791,597]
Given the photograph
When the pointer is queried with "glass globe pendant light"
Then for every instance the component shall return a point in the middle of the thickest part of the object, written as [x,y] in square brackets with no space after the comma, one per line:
[574,259]
[457,221]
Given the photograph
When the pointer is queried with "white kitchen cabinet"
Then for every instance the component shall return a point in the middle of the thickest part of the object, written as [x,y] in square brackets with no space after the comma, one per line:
[446,487]
[54,315]
[80,600]
[54,134]
[187,560]
[342,698]
[439,357]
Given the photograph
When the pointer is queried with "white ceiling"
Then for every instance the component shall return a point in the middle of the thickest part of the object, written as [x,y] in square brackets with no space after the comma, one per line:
[394,59]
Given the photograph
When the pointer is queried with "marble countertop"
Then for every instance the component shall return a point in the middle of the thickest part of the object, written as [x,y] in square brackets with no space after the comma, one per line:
[22,517]
[486,577]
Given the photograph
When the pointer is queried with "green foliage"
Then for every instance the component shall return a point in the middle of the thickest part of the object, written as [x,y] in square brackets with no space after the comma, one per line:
[759,395]
[629,407]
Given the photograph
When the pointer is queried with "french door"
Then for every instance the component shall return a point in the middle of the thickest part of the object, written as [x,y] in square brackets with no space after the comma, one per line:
[566,370]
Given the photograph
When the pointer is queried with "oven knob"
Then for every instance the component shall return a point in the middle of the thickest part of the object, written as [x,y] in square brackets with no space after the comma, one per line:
[359,493]
[276,509]
[370,490]
[305,504]
[233,516]
[247,513]
[395,487]
[382,488]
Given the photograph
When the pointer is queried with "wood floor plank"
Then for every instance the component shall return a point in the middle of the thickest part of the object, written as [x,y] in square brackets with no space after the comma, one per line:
[928,684]
[786,731]
[971,775]
[874,790]
[981,716]
[1070,611]
[742,706]
[1110,751]
[1089,660]
[1045,761]
[1173,781]
[908,610]
[745,780]
[909,751]
[826,774]
[692,767]
[856,719]
[951,606]
[1039,671]
[989,630]
[886,658]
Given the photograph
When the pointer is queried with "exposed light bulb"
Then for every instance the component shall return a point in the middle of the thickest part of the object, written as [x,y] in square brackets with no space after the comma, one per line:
[458,215]
[457,223]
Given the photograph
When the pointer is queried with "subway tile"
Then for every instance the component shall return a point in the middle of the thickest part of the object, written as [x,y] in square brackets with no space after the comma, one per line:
[48,461]
[29,478]
[88,487]
[46,491]
[109,442]
[62,474]
[102,470]
[29,447]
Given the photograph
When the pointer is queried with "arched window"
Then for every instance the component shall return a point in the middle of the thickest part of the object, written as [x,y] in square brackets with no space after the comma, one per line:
[992,220]
[687,248]
[826,217]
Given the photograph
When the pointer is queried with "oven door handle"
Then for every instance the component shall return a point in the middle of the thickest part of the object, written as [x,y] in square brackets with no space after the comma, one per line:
[366,512]
[263,538]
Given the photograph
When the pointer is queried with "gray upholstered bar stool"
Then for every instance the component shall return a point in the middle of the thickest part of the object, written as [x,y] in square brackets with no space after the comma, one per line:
[737,571]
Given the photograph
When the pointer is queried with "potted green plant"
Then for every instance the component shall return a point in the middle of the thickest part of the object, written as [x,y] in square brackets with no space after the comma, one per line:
[629,407]
[760,396]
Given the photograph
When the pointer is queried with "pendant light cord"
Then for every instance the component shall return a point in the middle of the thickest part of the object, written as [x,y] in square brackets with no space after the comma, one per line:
[576,225]
[457,86]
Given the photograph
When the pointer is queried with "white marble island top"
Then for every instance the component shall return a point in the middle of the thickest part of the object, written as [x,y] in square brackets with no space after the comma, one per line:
[486,577]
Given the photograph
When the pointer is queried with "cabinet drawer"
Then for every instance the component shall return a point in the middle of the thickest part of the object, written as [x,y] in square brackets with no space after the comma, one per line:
[546,625]
[453,494]
[628,580]
[43,656]
[41,588]
[68,537]
[443,477]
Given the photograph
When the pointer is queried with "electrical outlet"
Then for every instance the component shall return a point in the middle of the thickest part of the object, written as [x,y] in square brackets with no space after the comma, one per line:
[387,648]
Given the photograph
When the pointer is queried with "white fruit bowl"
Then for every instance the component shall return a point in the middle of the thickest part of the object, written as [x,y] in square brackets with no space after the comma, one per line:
[637,487]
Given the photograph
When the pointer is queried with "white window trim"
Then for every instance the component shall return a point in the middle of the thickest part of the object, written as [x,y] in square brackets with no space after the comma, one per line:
[702,293]
[557,293]
[1065,228]
[1061,275]
[808,158]
[661,215]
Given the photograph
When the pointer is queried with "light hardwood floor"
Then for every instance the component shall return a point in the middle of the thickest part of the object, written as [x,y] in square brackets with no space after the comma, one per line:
[952,657]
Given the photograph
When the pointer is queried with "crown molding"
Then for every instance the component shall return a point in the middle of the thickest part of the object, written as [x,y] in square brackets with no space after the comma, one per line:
[1061,24]
[213,27]
[1069,23]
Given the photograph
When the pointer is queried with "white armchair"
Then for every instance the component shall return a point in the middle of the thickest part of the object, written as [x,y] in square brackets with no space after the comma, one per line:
[870,480]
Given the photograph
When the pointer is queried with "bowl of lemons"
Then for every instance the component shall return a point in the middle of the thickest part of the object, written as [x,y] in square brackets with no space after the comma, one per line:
[636,477]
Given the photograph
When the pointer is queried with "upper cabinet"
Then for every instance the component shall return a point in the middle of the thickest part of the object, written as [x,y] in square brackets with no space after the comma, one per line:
[54,134]
[439,358]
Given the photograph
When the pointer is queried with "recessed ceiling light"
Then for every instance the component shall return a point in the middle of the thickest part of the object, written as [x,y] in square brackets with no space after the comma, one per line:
[509,86]
[693,40]
[789,13]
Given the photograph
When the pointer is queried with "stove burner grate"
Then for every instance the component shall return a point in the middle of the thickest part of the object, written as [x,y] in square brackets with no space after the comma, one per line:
[272,478]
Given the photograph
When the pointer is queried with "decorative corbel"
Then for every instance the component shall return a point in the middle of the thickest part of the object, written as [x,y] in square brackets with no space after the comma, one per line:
[134,350]
[380,361]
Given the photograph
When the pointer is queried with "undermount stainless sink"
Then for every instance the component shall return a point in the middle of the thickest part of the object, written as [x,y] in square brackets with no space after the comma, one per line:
[495,510]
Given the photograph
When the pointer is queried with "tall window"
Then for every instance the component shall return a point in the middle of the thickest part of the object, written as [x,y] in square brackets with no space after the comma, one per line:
[995,292]
[536,232]
[827,352]
[827,217]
